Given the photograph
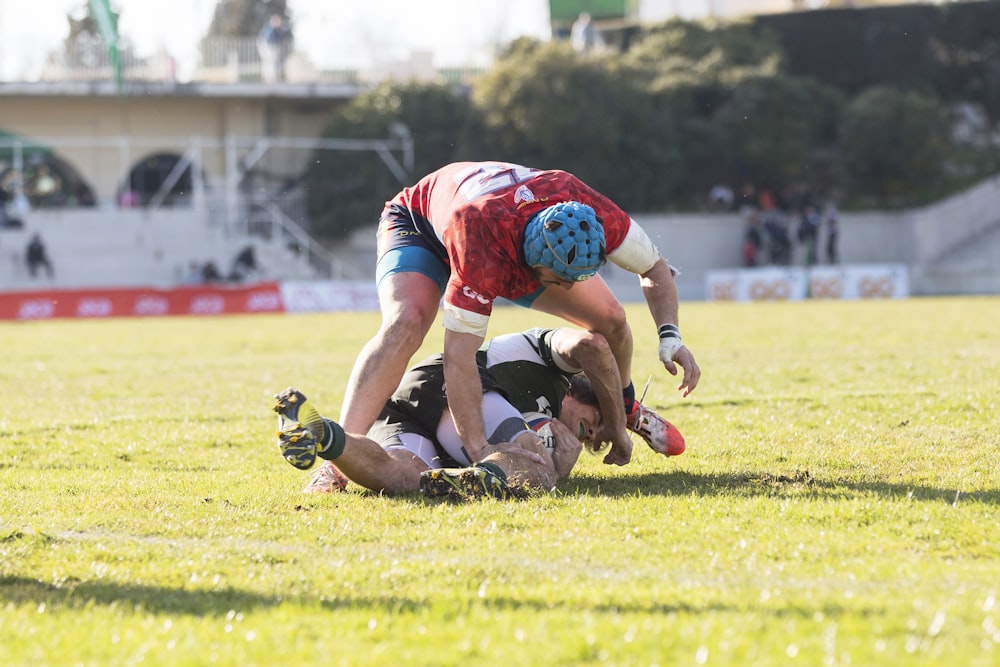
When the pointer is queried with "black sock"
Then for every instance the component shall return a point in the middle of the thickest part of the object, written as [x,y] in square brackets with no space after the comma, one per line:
[628,393]
[334,440]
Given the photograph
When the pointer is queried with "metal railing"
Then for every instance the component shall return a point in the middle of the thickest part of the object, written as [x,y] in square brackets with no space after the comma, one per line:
[268,220]
[244,195]
[236,60]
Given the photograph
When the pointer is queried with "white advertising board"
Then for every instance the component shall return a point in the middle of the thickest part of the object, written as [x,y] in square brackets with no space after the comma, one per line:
[329,296]
[762,284]
[851,281]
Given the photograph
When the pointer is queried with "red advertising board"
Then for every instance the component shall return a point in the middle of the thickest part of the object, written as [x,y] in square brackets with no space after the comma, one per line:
[142,302]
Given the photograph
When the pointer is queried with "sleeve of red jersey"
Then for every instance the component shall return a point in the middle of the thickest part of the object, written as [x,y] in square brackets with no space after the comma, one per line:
[468,297]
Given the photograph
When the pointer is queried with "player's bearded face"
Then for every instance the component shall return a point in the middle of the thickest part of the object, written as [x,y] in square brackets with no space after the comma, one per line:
[582,419]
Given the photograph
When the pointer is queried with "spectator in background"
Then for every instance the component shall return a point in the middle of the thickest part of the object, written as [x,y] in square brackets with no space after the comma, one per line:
[585,36]
[779,243]
[45,187]
[832,235]
[5,197]
[37,257]
[767,202]
[81,195]
[244,265]
[193,275]
[753,239]
[748,196]
[129,198]
[274,43]
[808,233]
[210,273]
[720,198]
[18,203]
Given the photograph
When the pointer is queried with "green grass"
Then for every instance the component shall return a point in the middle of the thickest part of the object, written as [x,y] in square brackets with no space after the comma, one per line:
[837,505]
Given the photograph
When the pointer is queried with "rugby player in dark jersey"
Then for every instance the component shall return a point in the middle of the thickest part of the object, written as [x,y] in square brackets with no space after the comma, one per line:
[542,390]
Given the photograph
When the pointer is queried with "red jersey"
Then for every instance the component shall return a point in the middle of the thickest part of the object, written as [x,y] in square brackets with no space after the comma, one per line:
[478,212]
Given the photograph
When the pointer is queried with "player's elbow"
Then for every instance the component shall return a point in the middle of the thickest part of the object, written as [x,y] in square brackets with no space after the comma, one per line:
[593,345]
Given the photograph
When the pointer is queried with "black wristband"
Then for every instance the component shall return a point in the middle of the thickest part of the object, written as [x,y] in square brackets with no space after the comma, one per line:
[669,331]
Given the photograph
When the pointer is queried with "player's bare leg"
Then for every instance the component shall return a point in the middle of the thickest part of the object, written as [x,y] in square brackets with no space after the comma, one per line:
[304,435]
[409,303]
[365,462]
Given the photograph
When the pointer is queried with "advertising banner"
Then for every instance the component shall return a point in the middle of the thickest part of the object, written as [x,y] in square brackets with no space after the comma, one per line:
[142,302]
[763,284]
[312,296]
[851,281]
[859,281]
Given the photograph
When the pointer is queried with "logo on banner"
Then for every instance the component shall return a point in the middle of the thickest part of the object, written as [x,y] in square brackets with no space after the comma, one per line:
[151,305]
[761,290]
[724,291]
[870,287]
[36,309]
[208,304]
[97,306]
[263,301]
[826,288]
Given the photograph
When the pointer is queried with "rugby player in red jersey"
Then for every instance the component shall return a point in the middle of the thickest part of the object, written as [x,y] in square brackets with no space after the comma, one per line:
[473,232]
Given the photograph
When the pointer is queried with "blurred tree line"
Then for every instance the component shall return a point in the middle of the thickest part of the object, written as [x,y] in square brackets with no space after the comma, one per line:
[845,104]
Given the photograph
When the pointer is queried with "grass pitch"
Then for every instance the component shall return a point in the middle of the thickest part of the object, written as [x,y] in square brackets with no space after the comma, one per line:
[837,505]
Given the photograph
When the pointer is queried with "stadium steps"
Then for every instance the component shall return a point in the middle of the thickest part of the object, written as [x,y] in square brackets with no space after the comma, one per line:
[970,267]
[98,248]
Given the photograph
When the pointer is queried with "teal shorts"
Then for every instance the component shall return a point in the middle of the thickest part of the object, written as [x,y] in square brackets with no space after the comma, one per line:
[412,259]
[527,300]
[416,259]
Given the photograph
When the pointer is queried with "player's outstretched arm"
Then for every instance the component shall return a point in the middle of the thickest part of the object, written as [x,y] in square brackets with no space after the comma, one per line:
[638,254]
[660,292]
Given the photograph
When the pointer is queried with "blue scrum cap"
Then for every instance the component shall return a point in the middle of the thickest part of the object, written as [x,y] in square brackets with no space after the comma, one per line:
[567,238]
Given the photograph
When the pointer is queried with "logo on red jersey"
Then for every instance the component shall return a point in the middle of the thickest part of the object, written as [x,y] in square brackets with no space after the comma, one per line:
[523,195]
[472,294]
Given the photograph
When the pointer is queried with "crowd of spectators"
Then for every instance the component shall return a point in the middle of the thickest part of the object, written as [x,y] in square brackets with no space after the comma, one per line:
[782,230]
[245,268]
[41,184]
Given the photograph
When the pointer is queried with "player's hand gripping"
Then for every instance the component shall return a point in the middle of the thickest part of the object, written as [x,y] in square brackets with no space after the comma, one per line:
[620,452]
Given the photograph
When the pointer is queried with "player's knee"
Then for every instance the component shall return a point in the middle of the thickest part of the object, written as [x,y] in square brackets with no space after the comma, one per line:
[407,327]
[613,324]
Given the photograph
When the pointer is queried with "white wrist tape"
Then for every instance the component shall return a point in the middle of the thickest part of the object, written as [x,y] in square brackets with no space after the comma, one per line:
[670,342]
